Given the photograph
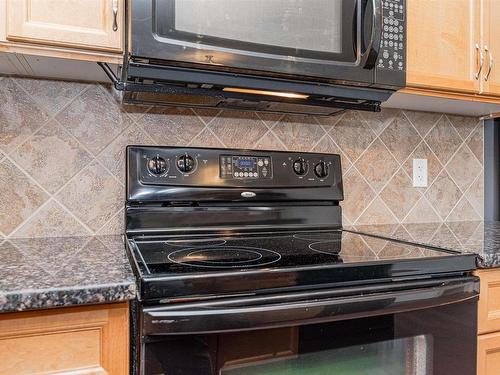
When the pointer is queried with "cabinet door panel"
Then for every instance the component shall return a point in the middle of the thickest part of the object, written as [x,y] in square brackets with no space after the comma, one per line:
[491,16]
[71,23]
[489,301]
[488,354]
[442,35]
[90,340]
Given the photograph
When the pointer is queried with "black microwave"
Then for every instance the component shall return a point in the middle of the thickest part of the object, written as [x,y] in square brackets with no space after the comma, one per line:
[336,53]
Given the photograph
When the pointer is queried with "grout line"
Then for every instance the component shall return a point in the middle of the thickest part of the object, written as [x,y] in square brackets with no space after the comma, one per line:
[370,202]
[197,134]
[216,136]
[278,138]
[254,146]
[120,211]
[319,140]
[50,196]
[428,131]
[219,111]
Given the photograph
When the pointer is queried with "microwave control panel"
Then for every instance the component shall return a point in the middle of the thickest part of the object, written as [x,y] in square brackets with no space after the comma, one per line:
[392,54]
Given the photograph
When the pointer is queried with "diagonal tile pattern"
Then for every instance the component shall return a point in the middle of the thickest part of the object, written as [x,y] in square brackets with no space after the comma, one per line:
[62,147]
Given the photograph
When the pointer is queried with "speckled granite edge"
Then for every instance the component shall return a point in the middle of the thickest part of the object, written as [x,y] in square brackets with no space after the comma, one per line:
[42,273]
[24,300]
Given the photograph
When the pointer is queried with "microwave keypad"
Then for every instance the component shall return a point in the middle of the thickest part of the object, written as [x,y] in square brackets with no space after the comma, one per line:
[392,44]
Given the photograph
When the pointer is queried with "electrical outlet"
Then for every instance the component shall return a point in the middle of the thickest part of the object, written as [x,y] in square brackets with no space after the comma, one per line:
[419,172]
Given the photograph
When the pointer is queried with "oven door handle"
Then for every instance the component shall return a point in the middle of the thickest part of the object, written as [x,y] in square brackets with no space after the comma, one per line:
[370,55]
[222,317]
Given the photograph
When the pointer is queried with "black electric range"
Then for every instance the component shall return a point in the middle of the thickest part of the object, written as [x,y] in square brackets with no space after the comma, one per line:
[259,235]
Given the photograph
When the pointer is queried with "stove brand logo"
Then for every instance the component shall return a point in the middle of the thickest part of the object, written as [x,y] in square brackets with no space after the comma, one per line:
[248,194]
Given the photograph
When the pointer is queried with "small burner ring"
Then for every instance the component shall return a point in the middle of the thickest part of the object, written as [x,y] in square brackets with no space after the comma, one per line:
[228,257]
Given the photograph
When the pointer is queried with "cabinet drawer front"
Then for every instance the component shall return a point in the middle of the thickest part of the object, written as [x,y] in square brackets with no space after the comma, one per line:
[74,340]
[489,301]
[71,23]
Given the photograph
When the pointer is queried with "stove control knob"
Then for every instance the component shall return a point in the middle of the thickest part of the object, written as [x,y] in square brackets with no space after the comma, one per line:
[185,163]
[321,169]
[300,167]
[157,165]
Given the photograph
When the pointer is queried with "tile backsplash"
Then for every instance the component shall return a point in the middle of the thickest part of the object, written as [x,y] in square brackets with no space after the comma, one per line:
[62,156]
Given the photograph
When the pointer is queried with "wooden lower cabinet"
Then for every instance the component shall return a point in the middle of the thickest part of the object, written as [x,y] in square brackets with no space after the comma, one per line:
[488,343]
[74,340]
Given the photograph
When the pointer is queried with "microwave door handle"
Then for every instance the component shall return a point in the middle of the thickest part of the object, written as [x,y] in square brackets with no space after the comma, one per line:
[216,318]
[370,55]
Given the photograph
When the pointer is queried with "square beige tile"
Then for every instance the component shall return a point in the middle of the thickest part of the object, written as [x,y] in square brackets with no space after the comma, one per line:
[400,137]
[51,95]
[93,195]
[399,194]
[378,121]
[464,167]
[422,121]
[422,212]
[298,133]
[443,140]
[20,115]
[352,134]
[377,165]
[357,195]
[19,197]
[443,194]
[113,156]
[238,129]
[463,125]
[94,118]
[171,126]
[52,156]
[50,219]
[269,141]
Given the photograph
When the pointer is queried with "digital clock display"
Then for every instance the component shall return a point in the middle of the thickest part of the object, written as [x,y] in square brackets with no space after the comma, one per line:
[245,163]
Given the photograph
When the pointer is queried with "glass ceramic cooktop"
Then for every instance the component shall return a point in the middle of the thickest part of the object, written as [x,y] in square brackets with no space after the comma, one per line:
[182,254]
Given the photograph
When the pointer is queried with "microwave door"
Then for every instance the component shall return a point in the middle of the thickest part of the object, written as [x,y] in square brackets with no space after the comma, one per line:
[325,39]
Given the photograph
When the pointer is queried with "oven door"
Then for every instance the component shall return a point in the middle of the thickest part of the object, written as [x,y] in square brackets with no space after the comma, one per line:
[427,329]
[331,39]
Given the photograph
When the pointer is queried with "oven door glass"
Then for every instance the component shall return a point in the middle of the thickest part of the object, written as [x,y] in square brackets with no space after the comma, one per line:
[436,341]
[319,29]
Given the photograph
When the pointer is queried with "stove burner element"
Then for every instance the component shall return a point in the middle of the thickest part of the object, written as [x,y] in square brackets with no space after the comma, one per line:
[195,243]
[224,257]
[321,236]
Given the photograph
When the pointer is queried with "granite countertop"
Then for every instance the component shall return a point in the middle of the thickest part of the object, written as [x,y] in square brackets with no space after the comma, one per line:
[479,237]
[39,273]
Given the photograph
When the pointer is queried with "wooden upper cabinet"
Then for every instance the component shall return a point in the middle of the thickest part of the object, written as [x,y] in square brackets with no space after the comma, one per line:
[491,46]
[441,48]
[88,24]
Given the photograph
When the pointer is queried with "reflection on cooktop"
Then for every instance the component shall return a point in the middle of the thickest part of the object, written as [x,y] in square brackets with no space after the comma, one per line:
[211,253]
[224,257]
